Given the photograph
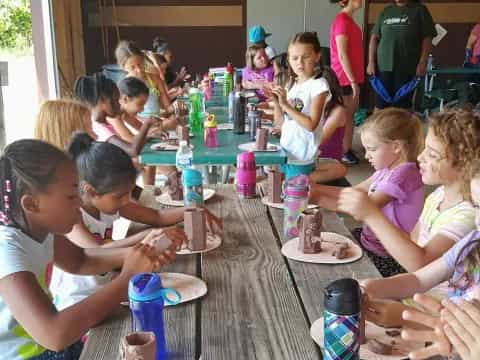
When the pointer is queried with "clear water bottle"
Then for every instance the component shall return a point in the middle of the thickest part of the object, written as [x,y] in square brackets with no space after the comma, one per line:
[231,103]
[254,121]
[430,63]
[295,200]
[184,158]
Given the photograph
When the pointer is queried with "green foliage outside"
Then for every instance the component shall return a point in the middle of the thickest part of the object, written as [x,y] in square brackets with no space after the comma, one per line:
[15,24]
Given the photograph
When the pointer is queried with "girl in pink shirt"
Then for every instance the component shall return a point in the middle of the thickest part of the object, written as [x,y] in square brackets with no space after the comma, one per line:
[346,57]
[472,53]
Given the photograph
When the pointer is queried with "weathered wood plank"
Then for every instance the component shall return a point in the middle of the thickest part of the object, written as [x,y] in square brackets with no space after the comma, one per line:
[311,279]
[180,325]
[252,310]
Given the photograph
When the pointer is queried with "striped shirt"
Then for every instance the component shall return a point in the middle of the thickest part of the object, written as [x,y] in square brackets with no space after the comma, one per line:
[455,222]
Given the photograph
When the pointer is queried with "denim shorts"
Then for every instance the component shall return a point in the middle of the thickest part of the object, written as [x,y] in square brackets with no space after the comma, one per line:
[73,352]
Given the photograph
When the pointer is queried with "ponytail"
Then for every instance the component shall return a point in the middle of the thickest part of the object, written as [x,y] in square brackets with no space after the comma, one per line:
[335,90]
[102,165]
[91,89]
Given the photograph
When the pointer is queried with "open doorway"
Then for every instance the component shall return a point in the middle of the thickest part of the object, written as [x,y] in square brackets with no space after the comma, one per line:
[19,80]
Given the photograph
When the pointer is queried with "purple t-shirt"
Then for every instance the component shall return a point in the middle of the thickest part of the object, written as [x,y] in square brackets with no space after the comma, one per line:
[404,184]
[462,284]
[255,75]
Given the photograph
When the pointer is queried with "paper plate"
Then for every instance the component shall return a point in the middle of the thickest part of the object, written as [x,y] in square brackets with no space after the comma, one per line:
[290,250]
[225,126]
[280,205]
[213,242]
[251,146]
[173,135]
[190,287]
[163,146]
[372,331]
[165,199]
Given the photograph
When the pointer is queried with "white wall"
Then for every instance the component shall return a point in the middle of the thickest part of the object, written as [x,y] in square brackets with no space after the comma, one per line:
[319,16]
[284,18]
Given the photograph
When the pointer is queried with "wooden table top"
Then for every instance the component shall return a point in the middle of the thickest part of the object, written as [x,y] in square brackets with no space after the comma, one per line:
[259,305]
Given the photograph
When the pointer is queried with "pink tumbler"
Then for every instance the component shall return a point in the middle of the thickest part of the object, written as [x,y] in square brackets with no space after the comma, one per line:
[246,175]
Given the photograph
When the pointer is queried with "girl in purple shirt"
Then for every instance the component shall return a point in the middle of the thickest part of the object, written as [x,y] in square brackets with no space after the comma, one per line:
[258,72]
[392,139]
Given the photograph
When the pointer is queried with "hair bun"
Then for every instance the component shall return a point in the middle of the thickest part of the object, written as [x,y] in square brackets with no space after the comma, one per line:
[80,143]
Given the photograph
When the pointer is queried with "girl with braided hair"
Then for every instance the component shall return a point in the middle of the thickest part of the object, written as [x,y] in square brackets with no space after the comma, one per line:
[39,204]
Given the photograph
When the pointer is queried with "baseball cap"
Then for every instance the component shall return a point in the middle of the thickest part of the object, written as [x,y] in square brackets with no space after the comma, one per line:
[256,34]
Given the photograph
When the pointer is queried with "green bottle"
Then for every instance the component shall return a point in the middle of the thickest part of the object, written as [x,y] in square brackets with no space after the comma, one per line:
[228,80]
[195,119]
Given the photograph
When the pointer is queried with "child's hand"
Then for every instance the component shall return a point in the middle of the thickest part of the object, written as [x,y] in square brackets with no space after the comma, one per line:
[180,108]
[175,91]
[176,235]
[139,258]
[267,89]
[276,131]
[156,130]
[435,334]
[386,313]
[462,327]
[356,203]
[214,223]
[281,96]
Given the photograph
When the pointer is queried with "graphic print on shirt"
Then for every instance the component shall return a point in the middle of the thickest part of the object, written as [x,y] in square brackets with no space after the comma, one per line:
[401,20]
[297,103]
[262,77]
[107,235]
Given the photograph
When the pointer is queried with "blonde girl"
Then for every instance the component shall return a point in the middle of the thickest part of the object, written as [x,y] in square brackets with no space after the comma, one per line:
[392,139]
[451,146]
[57,120]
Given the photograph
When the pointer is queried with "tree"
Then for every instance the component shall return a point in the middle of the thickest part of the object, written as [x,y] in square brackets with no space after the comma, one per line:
[15,24]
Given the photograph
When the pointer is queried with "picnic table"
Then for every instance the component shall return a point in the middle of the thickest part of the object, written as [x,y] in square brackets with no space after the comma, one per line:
[451,71]
[259,304]
[224,155]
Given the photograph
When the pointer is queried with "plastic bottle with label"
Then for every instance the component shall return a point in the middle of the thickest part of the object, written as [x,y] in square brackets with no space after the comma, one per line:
[184,158]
